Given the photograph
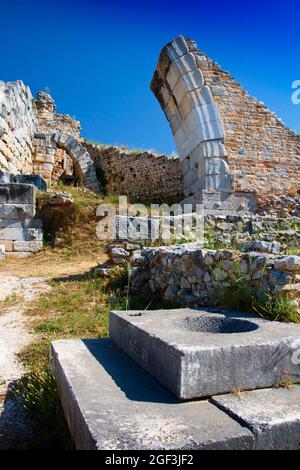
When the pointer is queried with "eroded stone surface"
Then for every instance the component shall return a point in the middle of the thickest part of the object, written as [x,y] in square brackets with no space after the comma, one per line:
[198,353]
[111,403]
[273,415]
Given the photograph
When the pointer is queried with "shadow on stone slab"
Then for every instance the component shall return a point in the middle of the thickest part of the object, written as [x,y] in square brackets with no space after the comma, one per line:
[127,374]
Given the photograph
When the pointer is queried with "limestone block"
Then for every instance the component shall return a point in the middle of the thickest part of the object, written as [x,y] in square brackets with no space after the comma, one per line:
[43,158]
[202,115]
[188,82]
[173,76]
[212,130]
[180,137]
[190,178]
[21,234]
[273,415]
[185,165]
[17,211]
[8,244]
[177,48]
[164,95]
[139,415]
[213,148]
[218,183]
[185,64]
[27,246]
[170,108]
[17,193]
[194,99]
[193,80]
[195,157]
[175,122]
[12,234]
[216,166]
[192,352]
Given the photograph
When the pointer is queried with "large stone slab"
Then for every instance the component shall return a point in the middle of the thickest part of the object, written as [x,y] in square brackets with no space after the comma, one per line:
[17,211]
[21,234]
[13,193]
[112,403]
[273,415]
[36,180]
[199,353]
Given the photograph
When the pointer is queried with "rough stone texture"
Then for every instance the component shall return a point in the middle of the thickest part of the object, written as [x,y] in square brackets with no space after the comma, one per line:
[17,124]
[273,415]
[143,176]
[111,403]
[34,139]
[19,193]
[227,140]
[199,353]
[197,276]
[36,180]
[18,231]
[58,148]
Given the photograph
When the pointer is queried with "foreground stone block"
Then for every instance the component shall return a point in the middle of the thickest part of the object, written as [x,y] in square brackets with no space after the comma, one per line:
[14,193]
[29,246]
[199,353]
[17,211]
[273,415]
[21,234]
[111,403]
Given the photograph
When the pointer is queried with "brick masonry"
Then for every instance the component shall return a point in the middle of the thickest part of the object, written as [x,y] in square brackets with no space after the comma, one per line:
[141,176]
[17,124]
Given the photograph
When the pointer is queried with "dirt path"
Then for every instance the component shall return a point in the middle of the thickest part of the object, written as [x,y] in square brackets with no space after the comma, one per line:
[14,336]
[13,333]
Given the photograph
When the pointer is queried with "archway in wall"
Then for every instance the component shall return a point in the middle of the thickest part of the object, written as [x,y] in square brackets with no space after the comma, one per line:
[74,163]
[179,86]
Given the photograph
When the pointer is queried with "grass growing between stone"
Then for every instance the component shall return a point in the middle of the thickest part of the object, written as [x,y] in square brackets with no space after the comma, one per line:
[76,307]
[240,296]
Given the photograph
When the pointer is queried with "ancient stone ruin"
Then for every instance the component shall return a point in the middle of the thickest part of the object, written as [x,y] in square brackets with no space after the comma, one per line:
[230,145]
[169,378]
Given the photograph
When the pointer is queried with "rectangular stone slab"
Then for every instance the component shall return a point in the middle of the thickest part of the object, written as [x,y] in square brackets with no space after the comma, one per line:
[112,403]
[15,193]
[199,353]
[273,415]
[17,211]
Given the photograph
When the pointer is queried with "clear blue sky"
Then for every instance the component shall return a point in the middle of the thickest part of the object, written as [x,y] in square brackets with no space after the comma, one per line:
[97,58]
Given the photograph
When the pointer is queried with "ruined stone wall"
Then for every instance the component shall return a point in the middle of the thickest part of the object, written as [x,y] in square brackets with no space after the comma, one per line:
[17,125]
[196,276]
[263,153]
[227,140]
[141,176]
[59,153]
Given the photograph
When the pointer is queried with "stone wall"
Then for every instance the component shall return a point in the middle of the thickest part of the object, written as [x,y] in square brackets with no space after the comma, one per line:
[59,153]
[263,154]
[20,233]
[141,176]
[197,276]
[227,140]
[17,125]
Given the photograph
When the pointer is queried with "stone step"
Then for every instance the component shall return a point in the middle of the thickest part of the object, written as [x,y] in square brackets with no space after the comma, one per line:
[112,403]
[273,415]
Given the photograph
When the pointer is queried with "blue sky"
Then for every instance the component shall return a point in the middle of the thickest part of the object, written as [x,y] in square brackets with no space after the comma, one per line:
[97,58]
